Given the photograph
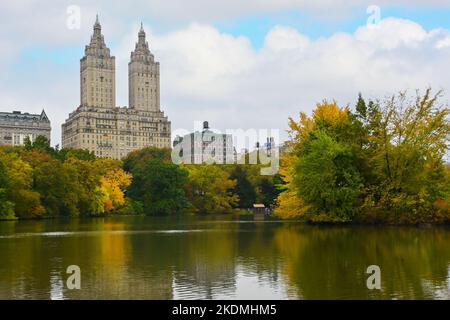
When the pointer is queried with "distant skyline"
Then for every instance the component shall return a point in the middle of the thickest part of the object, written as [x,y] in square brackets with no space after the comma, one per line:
[236,64]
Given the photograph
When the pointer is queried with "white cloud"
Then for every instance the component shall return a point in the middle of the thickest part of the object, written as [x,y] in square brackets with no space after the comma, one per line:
[443,43]
[284,38]
[392,33]
[200,61]
[210,75]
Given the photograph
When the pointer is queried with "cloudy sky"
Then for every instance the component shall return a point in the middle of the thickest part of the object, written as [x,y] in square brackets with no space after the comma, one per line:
[237,63]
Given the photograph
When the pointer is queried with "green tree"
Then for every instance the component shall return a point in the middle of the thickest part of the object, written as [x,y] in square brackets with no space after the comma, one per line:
[327,178]
[141,156]
[6,206]
[385,162]
[209,189]
[409,139]
[269,188]
[27,202]
[80,154]
[361,109]
[243,188]
[158,184]
[40,143]
[86,196]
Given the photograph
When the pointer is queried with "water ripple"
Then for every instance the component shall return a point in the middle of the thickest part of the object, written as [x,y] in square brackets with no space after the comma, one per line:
[97,233]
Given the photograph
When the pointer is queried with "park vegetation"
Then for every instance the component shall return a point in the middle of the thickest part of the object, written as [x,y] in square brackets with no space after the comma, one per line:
[379,162]
[384,161]
[38,181]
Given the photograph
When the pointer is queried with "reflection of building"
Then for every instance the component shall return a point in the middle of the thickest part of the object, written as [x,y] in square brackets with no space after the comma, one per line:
[205,147]
[16,126]
[97,124]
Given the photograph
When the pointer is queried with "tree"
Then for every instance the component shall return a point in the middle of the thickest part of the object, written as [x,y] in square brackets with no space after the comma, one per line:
[269,188]
[409,139]
[157,183]
[384,162]
[327,178]
[361,109]
[40,143]
[86,196]
[38,181]
[209,189]
[137,157]
[289,203]
[26,202]
[6,206]
[80,154]
[113,184]
[49,180]
[252,187]
[243,188]
[325,139]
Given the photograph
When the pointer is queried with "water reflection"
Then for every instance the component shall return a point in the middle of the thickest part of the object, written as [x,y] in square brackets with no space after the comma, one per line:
[219,258]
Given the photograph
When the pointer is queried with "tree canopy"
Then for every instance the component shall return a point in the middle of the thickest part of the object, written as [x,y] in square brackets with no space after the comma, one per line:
[382,162]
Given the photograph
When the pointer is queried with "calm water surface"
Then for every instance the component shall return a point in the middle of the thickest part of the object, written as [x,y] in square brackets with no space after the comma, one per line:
[219,258]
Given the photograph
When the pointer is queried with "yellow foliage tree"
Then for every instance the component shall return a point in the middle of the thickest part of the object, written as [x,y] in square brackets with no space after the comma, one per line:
[112,184]
[289,204]
[331,113]
[27,202]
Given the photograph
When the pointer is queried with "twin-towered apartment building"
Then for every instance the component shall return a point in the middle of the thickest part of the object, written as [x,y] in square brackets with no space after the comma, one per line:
[98,125]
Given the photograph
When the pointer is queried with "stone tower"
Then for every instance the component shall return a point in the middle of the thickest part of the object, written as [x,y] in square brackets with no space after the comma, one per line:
[111,131]
[143,77]
[98,73]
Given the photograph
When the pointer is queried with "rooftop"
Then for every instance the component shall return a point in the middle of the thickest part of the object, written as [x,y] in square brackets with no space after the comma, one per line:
[24,116]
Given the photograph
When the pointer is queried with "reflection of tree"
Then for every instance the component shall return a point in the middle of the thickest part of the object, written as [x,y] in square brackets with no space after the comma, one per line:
[117,272]
[156,261]
[257,246]
[30,264]
[210,261]
[330,262]
[21,267]
[207,261]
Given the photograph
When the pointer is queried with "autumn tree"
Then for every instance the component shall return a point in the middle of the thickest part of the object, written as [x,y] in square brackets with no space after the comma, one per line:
[6,206]
[384,162]
[157,184]
[27,202]
[113,184]
[209,189]
[409,138]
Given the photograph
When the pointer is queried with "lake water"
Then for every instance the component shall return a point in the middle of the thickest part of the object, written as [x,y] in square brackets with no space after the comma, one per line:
[222,257]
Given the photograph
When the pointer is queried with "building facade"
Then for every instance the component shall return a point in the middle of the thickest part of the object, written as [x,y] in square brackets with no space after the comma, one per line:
[143,77]
[98,125]
[269,146]
[205,147]
[16,126]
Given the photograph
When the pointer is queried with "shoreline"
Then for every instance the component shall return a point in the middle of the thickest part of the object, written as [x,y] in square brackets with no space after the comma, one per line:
[267,218]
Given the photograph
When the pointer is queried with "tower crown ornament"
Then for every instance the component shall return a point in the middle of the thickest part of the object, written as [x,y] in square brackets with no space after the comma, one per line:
[97,46]
[142,52]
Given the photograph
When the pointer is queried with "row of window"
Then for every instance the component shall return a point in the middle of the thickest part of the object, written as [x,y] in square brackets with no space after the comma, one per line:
[99,79]
[147,75]
[106,153]
[146,89]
